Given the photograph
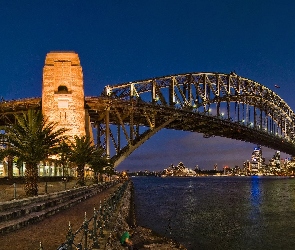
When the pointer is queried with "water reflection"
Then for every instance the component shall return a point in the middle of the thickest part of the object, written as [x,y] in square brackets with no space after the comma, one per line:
[255,198]
[220,213]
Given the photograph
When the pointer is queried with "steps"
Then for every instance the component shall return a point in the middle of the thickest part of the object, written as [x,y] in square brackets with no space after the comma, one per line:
[20,213]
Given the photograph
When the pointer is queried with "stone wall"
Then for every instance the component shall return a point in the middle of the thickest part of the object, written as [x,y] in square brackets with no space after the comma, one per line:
[142,238]
[124,220]
[63,92]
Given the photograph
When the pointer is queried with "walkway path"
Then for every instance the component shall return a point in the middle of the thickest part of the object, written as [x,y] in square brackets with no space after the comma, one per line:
[52,231]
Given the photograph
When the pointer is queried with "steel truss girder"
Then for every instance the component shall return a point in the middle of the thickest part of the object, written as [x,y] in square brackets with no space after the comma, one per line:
[8,109]
[182,102]
[129,148]
[198,92]
[136,116]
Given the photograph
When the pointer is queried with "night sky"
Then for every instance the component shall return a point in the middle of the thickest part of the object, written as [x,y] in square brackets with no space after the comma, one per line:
[122,41]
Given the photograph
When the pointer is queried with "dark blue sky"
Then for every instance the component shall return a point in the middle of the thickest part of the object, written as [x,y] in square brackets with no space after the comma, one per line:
[122,41]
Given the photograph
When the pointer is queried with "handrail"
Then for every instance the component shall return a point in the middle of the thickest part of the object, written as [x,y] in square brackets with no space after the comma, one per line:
[92,234]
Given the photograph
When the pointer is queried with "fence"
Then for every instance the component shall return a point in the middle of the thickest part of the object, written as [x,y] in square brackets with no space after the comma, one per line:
[93,233]
[8,193]
[16,191]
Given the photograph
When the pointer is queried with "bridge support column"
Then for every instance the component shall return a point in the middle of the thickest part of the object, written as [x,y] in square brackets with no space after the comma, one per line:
[171,92]
[98,141]
[107,121]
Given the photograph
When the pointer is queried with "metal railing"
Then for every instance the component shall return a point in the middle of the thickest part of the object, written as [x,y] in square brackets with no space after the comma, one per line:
[93,233]
[9,193]
[16,191]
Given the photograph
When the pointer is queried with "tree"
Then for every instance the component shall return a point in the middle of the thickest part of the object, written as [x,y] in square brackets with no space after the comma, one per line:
[19,165]
[32,139]
[98,162]
[109,169]
[64,152]
[8,158]
[81,153]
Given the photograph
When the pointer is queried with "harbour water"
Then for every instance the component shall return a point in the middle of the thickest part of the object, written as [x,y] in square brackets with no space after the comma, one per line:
[219,212]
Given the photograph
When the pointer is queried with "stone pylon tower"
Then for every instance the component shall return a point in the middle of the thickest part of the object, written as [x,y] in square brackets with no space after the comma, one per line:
[63,93]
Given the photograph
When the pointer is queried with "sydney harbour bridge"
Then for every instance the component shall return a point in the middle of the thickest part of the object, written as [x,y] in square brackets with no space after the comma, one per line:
[124,116]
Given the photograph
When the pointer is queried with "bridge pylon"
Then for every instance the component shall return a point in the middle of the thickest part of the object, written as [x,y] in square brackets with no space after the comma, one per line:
[63,93]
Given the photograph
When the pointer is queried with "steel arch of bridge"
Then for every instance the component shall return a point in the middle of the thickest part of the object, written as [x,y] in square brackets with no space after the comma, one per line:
[228,105]
[210,103]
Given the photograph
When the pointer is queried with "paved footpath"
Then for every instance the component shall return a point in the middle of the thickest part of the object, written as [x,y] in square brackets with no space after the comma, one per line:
[52,231]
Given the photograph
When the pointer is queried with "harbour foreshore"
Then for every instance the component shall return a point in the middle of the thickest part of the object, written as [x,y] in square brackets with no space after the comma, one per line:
[52,231]
[142,238]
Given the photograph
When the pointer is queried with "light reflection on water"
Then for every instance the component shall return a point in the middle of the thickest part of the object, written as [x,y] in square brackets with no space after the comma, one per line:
[219,212]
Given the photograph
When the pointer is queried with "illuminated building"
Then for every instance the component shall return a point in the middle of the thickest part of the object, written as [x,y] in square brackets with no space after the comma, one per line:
[275,162]
[256,164]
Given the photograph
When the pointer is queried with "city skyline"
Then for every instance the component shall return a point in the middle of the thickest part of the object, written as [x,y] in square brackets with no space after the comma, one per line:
[119,42]
[222,156]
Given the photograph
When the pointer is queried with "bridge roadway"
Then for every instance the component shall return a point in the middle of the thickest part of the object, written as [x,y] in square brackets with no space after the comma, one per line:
[213,104]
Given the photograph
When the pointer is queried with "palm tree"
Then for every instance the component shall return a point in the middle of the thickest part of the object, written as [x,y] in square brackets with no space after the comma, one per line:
[109,169]
[98,162]
[64,152]
[32,139]
[19,165]
[3,155]
[81,153]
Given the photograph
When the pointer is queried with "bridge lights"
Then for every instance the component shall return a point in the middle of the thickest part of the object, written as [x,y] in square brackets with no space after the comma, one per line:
[107,90]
